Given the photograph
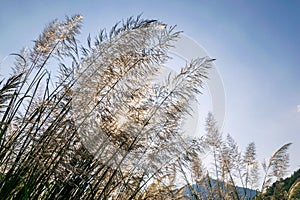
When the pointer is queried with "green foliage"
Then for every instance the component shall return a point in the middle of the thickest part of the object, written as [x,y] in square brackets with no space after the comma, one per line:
[284,188]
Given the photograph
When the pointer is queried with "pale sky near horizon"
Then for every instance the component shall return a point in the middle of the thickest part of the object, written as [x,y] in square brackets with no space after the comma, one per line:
[256,44]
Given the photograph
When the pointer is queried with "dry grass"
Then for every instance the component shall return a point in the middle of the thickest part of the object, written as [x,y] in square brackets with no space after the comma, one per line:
[104,129]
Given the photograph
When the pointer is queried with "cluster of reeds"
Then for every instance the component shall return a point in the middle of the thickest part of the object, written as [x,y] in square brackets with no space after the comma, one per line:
[105,128]
[228,173]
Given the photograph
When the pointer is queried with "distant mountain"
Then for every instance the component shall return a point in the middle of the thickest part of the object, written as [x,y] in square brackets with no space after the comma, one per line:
[204,193]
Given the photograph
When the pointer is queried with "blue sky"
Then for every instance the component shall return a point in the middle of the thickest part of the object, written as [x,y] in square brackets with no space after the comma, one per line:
[256,44]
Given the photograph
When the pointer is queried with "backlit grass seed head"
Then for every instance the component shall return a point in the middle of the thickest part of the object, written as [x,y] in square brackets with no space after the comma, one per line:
[55,35]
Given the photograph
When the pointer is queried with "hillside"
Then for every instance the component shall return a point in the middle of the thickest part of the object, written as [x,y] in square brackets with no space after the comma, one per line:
[280,189]
[204,192]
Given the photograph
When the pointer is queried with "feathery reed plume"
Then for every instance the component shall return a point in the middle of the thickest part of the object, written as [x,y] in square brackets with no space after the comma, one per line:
[278,163]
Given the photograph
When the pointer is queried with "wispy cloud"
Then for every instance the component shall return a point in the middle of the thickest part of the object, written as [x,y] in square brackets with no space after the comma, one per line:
[298,108]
